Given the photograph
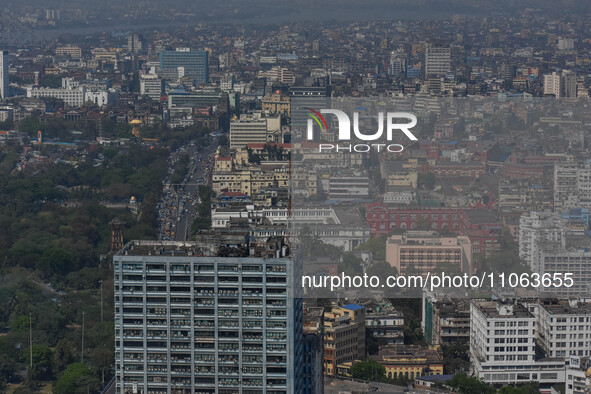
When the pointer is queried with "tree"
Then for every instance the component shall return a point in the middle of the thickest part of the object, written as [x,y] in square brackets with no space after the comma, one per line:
[375,245]
[77,378]
[368,370]
[51,81]
[30,125]
[100,359]
[423,223]
[224,140]
[455,357]
[65,353]
[381,269]
[529,388]
[427,180]
[466,385]
[351,264]
[7,370]
[42,363]
[507,258]
[55,261]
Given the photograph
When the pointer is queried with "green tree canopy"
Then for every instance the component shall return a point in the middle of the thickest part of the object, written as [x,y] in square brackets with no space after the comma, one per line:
[368,370]
[470,385]
[77,378]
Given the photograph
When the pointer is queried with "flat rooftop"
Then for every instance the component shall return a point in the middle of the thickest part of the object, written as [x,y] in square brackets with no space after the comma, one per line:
[160,248]
[481,216]
[565,308]
[491,310]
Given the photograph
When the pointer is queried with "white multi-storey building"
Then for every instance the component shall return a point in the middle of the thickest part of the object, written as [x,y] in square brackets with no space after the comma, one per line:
[250,129]
[578,376]
[437,59]
[503,346]
[397,63]
[572,186]
[566,43]
[73,97]
[553,84]
[191,324]
[565,329]
[574,258]
[561,85]
[535,229]
[151,85]
[75,94]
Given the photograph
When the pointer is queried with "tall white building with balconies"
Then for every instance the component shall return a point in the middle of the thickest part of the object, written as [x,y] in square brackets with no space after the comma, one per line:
[503,346]
[437,59]
[185,323]
[152,86]
[536,229]
[565,329]
[572,186]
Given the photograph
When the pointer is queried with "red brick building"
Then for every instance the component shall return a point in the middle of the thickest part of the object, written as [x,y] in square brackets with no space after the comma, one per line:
[482,226]
[449,169]
[514,170]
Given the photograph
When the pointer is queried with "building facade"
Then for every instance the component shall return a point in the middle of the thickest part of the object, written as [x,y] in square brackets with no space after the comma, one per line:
[503,346]
[536,229]
[480,225]
[4,76]
[252,129]
[191,324]
[565,329]
[344,337]
[185,63]
[572,186]
[422,252]
[151,86]
[437,59]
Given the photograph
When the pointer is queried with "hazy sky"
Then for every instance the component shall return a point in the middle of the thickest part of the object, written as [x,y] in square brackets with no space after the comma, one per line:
[329,9]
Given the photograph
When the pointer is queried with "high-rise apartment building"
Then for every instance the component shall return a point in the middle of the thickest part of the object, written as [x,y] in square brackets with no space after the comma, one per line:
[250,129]
[578,379]
[186,323]
[535,230]
[344,336]
[561,85]
[570,83]
[302,97]
[565,329]
[276,103]
[4,76]
[385,323]
[503,346]
[571,256]
[553,84]
[572,186]
[437,59]
[134,43]
[313,350]
[445,320]
[184,63]
[397,64]
[566,43]
[554,245]
[152,86]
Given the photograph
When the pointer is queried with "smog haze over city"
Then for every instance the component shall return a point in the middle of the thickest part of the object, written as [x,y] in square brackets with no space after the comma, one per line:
[295,197]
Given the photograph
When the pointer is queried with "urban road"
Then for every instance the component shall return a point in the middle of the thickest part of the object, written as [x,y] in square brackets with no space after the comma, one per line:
[339,385]
[177,208]
[201,173]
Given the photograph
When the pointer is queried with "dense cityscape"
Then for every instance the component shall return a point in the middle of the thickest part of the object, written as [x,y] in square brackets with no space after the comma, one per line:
[178,213]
